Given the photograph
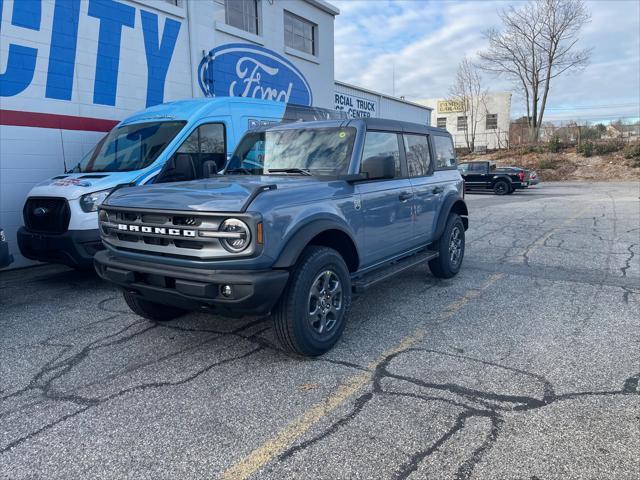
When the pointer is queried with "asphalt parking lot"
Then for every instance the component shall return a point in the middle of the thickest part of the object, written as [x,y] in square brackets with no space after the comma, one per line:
[524,366]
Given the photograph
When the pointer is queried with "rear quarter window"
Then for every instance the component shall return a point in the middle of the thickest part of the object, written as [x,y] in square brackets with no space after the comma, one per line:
[445,153]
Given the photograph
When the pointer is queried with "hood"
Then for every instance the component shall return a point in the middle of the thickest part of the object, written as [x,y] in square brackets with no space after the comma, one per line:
[74,185]
[229,193]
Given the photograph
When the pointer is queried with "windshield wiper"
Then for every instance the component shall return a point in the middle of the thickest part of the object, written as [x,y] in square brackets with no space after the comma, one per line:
[300,171]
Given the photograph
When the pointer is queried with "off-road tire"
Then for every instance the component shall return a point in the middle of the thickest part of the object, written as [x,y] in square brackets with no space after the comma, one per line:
[501,187]
[443,266]
[291,315]
[151,310]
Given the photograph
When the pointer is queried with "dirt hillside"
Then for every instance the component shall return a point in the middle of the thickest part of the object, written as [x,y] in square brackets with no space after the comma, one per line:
[566,165]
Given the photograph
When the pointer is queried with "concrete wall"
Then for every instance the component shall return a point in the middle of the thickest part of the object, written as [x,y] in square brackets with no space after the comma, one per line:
[495,103]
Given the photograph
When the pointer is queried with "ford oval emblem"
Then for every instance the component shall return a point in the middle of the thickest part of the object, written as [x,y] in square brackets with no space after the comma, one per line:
[243,70]
[40,211]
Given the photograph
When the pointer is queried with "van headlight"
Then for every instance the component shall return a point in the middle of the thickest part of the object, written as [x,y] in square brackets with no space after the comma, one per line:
[238,235]
[91,201]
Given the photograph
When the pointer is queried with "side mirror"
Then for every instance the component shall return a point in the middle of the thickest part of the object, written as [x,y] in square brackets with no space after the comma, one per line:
[379,167]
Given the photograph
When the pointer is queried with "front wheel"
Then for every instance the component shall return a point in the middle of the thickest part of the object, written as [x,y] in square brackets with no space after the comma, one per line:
[450,247]
[310,316]
[151,310]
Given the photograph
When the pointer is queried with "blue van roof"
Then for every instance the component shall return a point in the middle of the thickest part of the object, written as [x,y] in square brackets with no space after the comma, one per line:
[200,107]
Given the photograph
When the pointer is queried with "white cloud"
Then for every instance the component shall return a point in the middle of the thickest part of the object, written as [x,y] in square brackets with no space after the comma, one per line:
[423,41]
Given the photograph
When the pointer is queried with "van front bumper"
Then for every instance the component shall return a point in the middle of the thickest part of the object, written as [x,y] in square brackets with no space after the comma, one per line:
[253,292]
[74,248]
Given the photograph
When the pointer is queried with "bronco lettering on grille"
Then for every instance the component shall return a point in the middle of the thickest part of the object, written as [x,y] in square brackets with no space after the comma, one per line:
[174,232]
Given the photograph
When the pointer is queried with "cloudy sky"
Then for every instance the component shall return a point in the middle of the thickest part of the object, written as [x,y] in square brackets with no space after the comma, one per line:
[423,41]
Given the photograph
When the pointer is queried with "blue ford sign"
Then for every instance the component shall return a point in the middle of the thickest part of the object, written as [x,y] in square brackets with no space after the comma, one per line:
[243,70]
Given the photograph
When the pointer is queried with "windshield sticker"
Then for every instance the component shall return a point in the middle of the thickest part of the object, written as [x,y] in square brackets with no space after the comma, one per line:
[342,134]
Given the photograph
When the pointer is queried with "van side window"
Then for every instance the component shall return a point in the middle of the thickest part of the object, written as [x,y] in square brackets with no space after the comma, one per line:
[417,152]
[201,155]
[378,144]
[445,153]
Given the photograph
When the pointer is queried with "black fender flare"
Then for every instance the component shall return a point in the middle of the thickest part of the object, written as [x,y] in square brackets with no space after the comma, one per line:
[301,238]
[451,202]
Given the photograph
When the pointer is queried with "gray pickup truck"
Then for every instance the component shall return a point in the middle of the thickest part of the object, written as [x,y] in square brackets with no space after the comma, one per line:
[303,216]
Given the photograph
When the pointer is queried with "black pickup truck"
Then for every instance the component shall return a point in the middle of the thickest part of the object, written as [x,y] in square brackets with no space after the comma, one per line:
[486,176]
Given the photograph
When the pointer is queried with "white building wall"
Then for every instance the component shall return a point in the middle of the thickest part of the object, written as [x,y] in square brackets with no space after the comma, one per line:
[496,103]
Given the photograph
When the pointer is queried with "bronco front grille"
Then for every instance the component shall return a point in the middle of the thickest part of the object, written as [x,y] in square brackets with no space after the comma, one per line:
[177,234]
[46,214]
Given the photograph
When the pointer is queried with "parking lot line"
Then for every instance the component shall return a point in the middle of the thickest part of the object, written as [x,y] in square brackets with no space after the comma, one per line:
[271,448]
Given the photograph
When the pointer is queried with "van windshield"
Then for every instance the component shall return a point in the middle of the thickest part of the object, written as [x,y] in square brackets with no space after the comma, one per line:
[129,147]
[303,151]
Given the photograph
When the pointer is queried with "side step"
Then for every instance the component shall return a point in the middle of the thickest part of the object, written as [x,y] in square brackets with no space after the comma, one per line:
[368,280]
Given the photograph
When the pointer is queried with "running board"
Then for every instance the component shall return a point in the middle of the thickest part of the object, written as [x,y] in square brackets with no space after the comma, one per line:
[368,280]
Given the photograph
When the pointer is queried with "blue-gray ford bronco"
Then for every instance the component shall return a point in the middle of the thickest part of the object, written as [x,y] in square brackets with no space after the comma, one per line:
[304,215]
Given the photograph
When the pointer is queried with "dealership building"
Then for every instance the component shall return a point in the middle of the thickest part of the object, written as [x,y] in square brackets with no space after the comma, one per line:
[71,69]
[492,124]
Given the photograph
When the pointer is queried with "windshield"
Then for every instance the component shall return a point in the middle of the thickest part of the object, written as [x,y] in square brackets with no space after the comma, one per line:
[130,147]
[315,151]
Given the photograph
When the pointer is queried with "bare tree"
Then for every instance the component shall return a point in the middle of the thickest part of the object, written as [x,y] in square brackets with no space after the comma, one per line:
[468,92]
[537,44]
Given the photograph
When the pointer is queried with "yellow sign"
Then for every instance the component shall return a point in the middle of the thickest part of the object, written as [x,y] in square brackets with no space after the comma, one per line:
[450,106]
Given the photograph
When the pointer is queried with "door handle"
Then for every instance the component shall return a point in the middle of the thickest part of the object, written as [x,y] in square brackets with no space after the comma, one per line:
[437,190]
[404,196]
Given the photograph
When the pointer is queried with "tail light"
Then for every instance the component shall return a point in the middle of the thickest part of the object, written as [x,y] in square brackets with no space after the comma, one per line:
[521,176]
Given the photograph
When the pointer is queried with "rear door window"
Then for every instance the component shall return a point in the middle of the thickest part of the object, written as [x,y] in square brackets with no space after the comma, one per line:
[445,153]
[417,152]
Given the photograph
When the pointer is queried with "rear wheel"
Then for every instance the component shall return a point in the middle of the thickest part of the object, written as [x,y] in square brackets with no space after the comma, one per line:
[311,315]
[450,247]
[151,310]
[501,187]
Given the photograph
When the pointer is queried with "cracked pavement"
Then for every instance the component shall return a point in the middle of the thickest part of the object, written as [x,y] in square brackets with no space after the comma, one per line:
[524,366]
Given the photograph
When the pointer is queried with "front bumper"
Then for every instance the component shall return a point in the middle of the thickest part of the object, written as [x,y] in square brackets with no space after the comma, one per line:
[74,248]
[253,292]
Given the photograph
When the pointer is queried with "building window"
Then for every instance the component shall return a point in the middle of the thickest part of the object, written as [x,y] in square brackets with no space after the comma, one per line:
[242,14]
[442,122]
[492,121]
[462,123]
[299,33]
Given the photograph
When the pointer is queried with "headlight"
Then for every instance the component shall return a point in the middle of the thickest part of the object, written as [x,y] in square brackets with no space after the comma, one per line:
[239,235]
[91,201]
[2,237]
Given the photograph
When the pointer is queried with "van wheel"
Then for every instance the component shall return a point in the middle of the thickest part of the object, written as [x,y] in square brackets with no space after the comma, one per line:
[151,310]
[501,187]
[311,315]
[450,247]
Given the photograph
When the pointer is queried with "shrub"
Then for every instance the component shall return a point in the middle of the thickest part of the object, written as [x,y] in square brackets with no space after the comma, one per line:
[549,162]
[554,144]
[632,151]
[610,146]
[585,148]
